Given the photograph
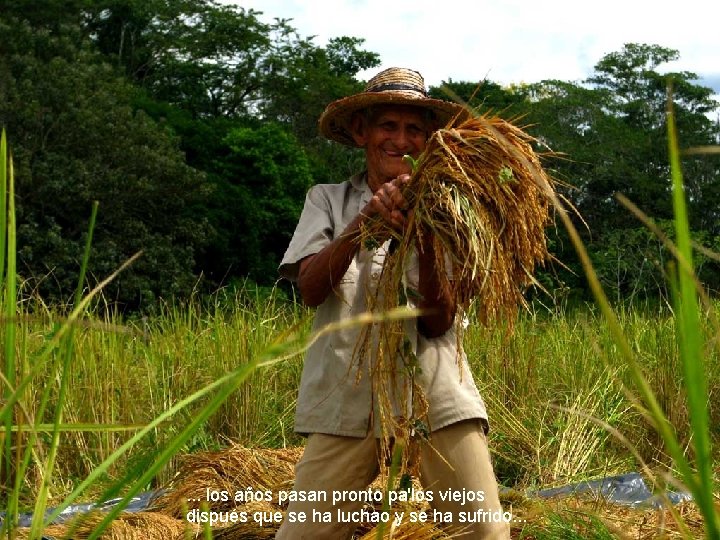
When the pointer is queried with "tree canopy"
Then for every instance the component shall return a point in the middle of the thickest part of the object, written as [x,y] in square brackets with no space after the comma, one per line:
[194,124]
[612,132]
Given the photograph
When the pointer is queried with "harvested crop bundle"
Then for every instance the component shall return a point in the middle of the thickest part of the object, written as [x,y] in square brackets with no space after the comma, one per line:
[243,473]
[481,194]
[126,526]
[479,198]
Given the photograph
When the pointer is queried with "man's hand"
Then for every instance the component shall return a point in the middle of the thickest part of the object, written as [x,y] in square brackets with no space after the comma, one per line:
[389,204]
[321,272]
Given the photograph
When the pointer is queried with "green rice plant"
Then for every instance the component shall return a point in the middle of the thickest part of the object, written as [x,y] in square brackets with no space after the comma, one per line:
[8,474]
[535,383]
[691,345]
[697,479]
[3,203]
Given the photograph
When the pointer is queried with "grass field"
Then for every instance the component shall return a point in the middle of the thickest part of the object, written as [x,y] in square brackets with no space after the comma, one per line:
[549,388]
[95,407]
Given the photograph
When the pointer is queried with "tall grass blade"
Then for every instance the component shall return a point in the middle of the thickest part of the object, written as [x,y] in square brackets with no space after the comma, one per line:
[3,203]
[690,339]
[7,389]
[11,478]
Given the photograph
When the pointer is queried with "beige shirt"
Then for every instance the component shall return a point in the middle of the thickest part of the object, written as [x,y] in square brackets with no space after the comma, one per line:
[336,394]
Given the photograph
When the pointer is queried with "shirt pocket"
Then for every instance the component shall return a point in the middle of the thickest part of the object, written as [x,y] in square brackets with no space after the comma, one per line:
[348,286]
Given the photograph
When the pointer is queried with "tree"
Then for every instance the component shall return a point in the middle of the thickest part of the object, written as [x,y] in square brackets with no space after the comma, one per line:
[76,138]
[194,54]
[262,179]
[224,80]
[613,130]
[485,96]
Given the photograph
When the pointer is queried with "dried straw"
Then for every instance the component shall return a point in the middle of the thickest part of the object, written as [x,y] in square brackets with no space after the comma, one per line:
[233,469]
[127,526]
[479,197]
[481,194]
[246,531]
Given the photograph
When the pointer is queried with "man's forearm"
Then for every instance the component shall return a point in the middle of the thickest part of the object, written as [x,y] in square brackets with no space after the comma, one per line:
[320,273]
[436,297]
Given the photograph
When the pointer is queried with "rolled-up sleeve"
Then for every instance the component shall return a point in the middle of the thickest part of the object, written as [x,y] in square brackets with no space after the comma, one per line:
[313,232]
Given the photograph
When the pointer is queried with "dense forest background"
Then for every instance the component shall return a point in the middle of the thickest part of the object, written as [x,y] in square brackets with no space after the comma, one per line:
[194,125]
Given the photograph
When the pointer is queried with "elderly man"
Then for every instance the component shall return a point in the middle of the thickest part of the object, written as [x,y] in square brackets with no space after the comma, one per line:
[336,405]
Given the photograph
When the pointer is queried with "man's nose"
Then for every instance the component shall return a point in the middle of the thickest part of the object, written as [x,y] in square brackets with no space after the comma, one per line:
[403,140]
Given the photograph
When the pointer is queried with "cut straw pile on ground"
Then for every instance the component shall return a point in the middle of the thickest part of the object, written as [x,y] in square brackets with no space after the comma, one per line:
[237,467]
[231,470]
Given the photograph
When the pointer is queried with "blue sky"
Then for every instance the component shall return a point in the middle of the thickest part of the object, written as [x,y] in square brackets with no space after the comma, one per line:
[509,41]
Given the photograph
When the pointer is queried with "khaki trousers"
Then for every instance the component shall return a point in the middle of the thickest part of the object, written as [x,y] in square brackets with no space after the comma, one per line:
[332,463]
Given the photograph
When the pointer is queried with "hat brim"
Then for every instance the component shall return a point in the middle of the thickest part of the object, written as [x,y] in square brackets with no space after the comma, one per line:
[335,121]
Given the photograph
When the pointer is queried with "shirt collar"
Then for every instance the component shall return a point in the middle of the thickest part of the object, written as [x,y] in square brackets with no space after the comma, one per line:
[359,181]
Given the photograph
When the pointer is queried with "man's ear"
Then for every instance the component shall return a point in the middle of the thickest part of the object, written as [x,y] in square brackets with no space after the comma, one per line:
[357,129]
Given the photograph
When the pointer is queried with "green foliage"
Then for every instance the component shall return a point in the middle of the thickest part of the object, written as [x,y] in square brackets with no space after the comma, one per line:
[612,133]
[194,54]
[224,70]
[77,139]
[631,263]
[261,184]
[485,96]
[131,103]
[310,78]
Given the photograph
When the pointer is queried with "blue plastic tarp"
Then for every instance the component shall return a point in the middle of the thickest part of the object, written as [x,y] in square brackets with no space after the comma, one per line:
[627,489]
[137,504]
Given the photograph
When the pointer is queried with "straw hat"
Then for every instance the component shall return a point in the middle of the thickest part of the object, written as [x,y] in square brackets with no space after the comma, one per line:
[397,86]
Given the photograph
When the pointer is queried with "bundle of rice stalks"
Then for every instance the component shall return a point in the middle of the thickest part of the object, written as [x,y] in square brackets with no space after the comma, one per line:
[248,529]
[479,201]
[127,526]
[245,531]
[479,192]
[230,470]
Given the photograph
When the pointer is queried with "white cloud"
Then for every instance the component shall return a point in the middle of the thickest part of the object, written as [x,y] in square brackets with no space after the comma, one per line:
[508,41]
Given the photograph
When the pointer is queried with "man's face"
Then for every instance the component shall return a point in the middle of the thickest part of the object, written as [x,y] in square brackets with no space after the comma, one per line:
[390,132]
